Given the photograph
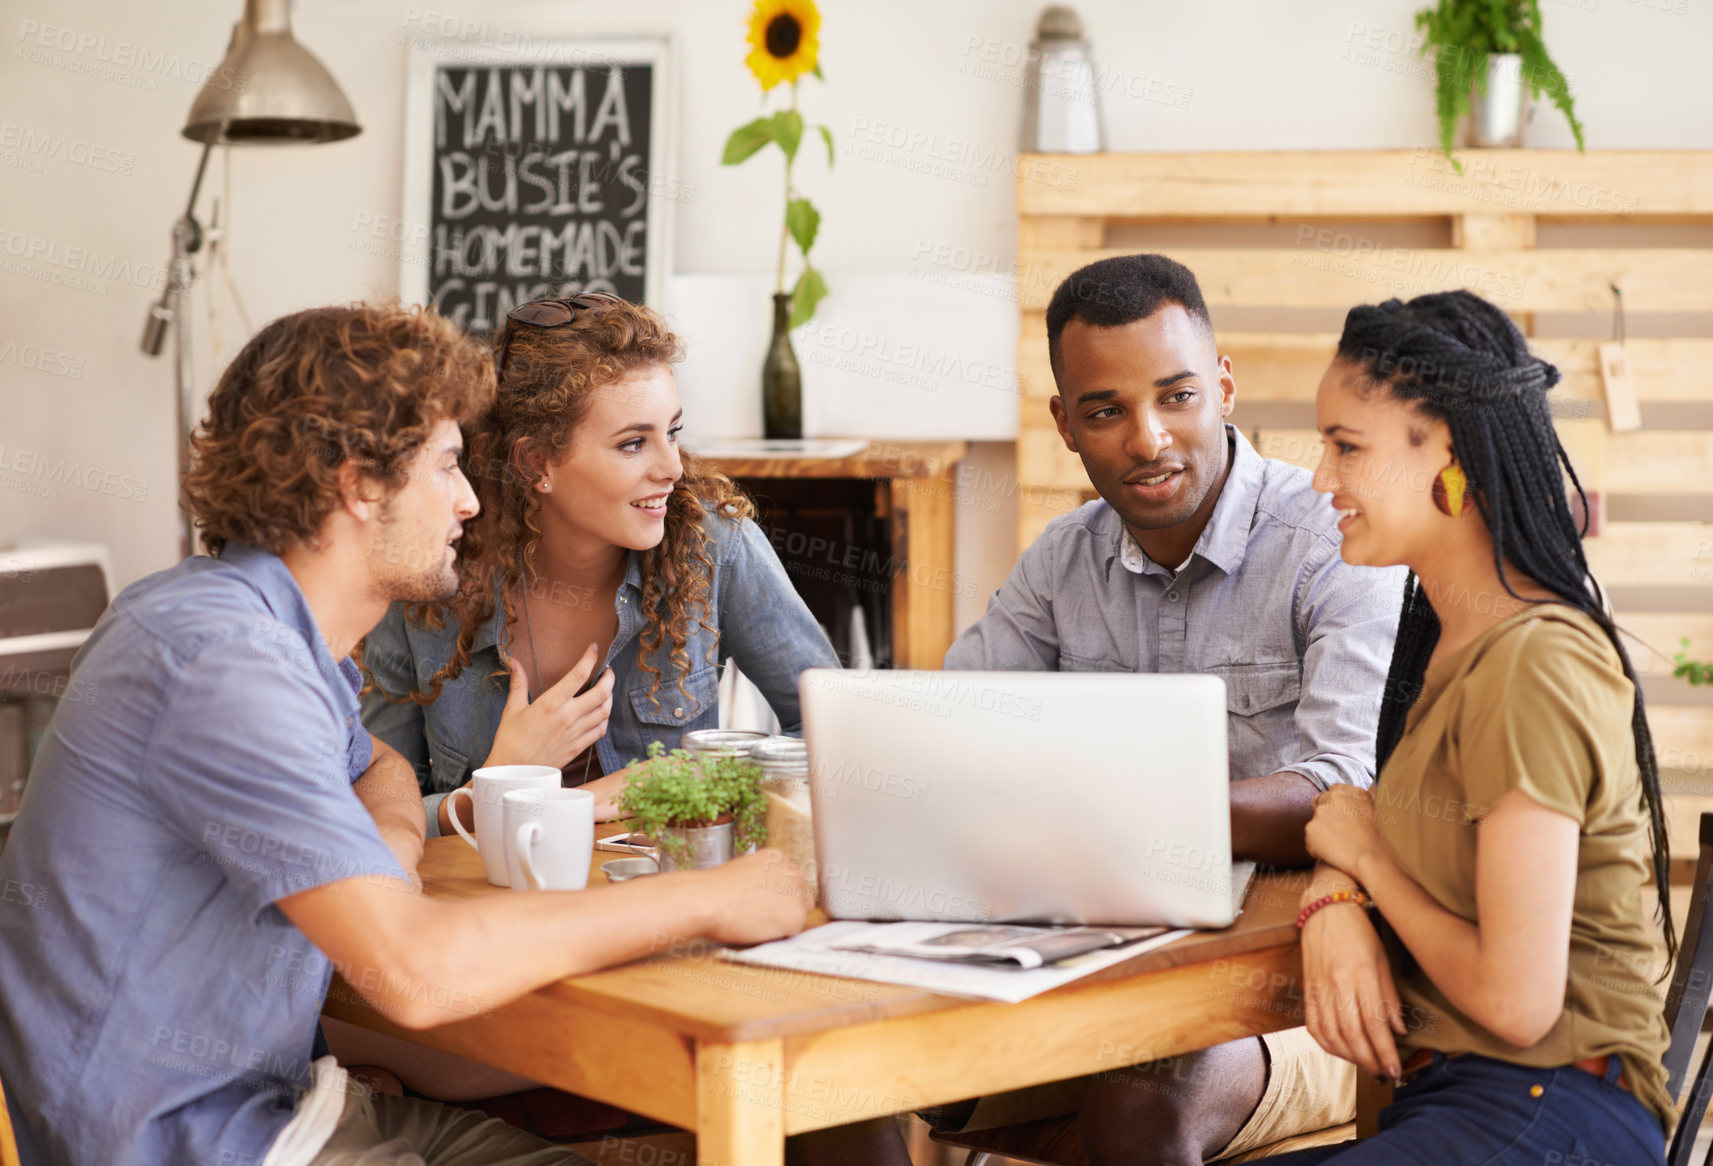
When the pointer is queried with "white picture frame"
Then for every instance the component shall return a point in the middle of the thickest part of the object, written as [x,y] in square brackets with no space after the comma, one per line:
[537,60]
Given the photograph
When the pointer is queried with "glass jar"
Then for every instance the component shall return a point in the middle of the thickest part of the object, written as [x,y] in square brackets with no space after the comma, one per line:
[709,745]
[784,765]
[721,742]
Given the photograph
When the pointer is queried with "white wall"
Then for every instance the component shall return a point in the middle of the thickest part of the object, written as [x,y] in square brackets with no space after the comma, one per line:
[930,74]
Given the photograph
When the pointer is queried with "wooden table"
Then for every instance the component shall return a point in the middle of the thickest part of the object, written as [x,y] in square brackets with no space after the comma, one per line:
[744,1056]
[915,492]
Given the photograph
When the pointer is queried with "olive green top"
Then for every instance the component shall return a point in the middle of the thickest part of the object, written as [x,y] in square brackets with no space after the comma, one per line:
[1538,703]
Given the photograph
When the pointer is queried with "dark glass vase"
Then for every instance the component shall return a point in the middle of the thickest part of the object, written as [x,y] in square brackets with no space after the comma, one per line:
[781,378]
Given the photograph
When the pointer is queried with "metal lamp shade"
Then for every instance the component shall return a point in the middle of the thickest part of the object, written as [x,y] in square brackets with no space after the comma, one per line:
[269,90]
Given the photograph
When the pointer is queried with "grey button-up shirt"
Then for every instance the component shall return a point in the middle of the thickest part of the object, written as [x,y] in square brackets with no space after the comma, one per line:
[1302,640]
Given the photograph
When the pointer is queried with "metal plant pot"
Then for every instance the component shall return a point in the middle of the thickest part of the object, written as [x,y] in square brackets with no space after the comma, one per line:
[1497,116]
[708,846]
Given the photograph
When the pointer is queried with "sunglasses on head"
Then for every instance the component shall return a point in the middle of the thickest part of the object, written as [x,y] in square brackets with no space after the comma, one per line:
[548,314]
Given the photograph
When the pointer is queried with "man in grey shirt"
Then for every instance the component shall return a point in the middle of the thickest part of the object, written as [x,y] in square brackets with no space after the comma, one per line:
[1201,557]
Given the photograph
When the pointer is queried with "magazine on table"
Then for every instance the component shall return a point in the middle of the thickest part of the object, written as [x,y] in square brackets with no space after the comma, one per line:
[994,944]
[870,951]
[820,950]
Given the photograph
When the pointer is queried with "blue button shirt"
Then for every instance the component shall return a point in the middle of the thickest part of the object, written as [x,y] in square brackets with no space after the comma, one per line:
[1302,640]
[155,1006]
[755,617]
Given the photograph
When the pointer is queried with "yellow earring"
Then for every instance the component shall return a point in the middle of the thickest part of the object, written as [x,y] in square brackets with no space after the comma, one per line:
[1451,490]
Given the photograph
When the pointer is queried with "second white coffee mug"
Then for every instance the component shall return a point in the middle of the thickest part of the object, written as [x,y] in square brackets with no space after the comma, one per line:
[552,838]
[487,786]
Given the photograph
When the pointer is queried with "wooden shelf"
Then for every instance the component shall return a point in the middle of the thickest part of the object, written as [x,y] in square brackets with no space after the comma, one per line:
[915,493]
[1271,184]
[882,459]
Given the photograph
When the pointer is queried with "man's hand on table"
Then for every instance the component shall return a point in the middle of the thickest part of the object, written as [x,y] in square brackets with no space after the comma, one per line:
[755,898]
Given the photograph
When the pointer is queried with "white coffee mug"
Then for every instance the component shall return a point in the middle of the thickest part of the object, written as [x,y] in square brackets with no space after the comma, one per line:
[552,835]
[486,788]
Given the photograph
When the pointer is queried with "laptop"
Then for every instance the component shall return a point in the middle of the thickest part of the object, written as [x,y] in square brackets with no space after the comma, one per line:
[1049,797]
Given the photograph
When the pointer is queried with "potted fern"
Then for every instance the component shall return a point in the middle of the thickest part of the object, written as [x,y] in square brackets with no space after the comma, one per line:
[701,811]
[1488,55]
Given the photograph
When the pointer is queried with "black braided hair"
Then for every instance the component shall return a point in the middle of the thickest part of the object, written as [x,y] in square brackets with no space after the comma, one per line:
[1462,360]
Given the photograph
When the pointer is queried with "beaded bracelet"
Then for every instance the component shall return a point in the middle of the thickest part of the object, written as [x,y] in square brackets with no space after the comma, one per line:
[1359,897]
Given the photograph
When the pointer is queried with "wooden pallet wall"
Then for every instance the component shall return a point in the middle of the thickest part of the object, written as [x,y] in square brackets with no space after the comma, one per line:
[1325,216]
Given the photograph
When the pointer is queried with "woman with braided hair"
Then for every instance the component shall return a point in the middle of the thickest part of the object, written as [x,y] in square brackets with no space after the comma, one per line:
[1476,928]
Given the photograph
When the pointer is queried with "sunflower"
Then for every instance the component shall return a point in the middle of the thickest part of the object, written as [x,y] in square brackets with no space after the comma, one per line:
[784,37]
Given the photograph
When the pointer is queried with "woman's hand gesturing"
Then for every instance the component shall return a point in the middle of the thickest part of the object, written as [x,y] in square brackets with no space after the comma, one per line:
[560,723]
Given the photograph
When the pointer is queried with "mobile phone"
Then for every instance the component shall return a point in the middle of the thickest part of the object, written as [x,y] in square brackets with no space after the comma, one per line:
[631,843]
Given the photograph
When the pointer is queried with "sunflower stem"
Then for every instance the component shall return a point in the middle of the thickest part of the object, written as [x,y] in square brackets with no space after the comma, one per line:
[785,222]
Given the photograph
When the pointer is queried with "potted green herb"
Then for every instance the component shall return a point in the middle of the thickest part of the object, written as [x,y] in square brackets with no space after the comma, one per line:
[1492,51]
[701,811]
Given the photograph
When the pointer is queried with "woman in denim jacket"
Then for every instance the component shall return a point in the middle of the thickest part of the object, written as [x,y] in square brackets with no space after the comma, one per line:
[606,579]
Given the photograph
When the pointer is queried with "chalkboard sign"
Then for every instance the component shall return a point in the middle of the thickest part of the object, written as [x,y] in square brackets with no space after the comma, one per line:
[536,169]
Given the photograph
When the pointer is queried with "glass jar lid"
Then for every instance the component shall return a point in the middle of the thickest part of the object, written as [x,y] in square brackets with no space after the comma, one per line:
[735,742]
[782,753]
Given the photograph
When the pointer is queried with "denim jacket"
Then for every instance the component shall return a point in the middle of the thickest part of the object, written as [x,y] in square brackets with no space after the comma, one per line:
[757,617]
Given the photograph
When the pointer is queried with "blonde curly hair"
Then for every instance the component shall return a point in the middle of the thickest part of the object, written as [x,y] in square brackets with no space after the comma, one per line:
[545,390]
